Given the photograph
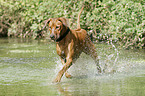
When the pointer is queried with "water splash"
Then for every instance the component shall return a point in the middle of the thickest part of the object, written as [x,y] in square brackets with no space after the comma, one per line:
[111,60]
[85,67]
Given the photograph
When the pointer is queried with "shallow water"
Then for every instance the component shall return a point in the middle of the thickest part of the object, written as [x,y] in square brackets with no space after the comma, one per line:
[28,67]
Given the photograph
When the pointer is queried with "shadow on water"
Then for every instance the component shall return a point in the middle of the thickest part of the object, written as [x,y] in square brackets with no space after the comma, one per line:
[28,67]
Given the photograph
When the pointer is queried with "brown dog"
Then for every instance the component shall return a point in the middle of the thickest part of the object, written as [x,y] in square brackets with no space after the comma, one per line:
[70,43]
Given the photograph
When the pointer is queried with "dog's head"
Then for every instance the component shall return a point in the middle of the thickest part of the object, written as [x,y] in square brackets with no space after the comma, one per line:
[57,27]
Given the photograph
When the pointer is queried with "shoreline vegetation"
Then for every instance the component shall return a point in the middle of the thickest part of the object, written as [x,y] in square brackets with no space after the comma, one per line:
[120,21]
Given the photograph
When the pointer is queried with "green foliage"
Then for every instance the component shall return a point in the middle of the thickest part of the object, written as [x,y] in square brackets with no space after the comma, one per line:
[122,21]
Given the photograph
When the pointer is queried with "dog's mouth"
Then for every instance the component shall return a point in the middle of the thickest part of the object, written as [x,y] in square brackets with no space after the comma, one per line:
[54,37]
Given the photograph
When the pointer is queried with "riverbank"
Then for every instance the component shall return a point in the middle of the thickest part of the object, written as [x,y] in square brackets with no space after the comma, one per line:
[107,20]
[28,67]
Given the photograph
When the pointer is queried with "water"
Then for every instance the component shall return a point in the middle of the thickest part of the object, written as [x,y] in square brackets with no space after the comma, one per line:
[28,67]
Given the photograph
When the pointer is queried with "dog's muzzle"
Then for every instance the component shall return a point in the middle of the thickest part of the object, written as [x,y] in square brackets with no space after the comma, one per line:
[58,38]
[52,36]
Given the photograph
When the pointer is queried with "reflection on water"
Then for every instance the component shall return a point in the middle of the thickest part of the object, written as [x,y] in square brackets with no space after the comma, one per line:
[27,67]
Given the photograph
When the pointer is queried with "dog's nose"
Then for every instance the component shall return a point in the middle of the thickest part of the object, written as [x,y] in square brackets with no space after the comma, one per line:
[52,36]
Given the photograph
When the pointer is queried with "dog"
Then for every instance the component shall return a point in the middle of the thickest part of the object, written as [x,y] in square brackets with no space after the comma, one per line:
[70,43]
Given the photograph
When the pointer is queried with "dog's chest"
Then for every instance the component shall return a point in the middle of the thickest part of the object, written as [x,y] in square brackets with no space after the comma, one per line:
[61,51]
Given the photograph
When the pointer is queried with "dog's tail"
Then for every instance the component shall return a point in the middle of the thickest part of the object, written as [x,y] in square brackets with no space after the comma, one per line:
[78,21]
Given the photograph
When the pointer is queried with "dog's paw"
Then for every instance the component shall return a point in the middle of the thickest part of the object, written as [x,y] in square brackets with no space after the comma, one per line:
[67,75]
[57,80]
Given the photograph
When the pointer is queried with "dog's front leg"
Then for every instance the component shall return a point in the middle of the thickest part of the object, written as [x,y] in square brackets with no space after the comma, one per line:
[63,70]
[63,60]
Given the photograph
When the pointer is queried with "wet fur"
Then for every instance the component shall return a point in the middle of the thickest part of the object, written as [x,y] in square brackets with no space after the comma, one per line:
[72,45]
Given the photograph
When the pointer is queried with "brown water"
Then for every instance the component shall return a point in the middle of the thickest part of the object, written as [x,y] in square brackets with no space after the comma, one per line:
[28,67]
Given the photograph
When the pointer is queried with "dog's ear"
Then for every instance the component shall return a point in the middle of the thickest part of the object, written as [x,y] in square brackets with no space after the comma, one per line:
[46,22]
[64,21]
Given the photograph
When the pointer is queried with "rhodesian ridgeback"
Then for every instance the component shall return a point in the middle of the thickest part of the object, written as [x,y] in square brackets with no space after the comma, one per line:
[70,43]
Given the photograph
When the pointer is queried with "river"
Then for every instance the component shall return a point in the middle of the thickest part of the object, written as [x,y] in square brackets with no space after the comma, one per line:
[28,67]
